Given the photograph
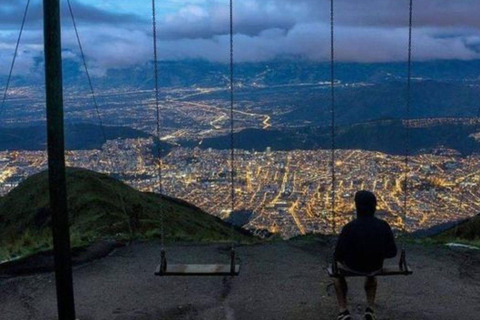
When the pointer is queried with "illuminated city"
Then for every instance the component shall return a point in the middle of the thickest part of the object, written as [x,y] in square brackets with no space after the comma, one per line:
[285,192]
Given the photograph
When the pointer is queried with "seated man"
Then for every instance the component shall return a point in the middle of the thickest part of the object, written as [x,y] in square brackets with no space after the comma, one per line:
[362,246]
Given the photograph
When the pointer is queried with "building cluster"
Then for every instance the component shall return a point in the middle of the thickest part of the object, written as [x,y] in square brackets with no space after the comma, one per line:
[285,192]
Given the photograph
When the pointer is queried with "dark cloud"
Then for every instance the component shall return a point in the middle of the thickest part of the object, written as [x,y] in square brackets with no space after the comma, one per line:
[11,13]
[31,47]
[253,17]
[392,13]
[366,31]
[195,22]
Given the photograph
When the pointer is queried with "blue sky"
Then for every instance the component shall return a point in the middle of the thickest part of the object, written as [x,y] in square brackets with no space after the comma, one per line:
[140,7]
[117,33]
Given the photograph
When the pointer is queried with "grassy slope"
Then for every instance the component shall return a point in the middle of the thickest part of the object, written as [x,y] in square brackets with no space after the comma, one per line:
[100,207]
[466,232]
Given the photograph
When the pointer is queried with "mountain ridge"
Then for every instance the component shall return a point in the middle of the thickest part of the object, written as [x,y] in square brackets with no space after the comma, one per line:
[282,70]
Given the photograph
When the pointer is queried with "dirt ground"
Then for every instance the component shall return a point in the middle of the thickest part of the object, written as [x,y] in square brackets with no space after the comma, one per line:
[282,280]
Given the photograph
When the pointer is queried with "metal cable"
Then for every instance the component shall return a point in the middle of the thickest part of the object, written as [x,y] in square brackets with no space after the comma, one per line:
[94,98]
[407,118]
[14,57]
[92,91]
[157,105]
[332,113]
[232,145]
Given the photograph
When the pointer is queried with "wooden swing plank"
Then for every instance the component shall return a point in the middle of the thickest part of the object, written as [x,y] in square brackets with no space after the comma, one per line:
[198,270]
[386,271]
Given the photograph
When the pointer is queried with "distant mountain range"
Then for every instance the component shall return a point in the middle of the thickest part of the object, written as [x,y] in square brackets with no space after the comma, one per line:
[295,71]
[440,89]
[386,136]
[187,73]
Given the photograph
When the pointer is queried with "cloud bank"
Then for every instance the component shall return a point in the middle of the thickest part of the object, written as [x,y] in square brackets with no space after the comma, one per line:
[365,31]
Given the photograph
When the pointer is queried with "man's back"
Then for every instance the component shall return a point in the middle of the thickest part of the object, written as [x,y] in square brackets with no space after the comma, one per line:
[364,243]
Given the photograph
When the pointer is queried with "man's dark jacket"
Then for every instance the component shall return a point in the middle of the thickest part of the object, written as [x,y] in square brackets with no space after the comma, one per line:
[364,243]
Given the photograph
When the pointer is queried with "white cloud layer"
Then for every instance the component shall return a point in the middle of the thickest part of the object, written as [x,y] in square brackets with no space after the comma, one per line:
[366,31]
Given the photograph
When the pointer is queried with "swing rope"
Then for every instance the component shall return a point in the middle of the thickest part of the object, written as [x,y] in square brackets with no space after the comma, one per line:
[82,55]
[403,268]
[232,126]
[232,122]
[9,78]
[157,109]
[332,114]
[231,269]
[407,119]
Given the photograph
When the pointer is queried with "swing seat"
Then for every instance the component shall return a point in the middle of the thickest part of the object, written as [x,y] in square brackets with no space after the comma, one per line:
[164,269]
[198,270]
[403,268]
[385,271]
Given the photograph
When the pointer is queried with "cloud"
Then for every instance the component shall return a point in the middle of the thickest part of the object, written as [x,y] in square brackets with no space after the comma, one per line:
[251,18]
[391,13]
[365,31]
[11,13]
[311,41]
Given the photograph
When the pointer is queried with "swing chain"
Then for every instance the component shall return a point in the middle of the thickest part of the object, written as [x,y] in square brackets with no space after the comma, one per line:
[158,147]
[332,113]
[15,54]
[232,125]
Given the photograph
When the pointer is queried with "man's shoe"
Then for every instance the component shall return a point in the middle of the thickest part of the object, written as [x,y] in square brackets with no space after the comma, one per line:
[369,314]
[345,315]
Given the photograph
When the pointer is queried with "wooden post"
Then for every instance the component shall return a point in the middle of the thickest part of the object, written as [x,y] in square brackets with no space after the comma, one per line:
[56,159]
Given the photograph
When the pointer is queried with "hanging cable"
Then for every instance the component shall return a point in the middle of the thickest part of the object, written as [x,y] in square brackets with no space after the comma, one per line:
[232,124]
[407,117]
[332,113]
[94,99]
[92,91]
[157,106]
[14,57]
[82,54]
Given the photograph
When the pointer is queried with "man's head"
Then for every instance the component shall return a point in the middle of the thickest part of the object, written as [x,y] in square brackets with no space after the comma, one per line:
[366,203]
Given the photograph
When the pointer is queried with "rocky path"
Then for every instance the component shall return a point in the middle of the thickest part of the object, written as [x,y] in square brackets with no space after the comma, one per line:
[281,280]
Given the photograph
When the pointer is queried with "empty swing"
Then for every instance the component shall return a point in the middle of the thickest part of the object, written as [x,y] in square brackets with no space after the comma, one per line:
[165,269]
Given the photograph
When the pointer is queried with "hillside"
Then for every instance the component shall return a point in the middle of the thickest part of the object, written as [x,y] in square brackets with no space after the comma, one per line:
[354,104]
[468,230]
[78,136]
[100,207]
